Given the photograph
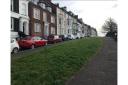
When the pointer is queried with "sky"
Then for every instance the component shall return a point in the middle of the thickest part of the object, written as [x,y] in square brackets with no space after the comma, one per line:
[93,12]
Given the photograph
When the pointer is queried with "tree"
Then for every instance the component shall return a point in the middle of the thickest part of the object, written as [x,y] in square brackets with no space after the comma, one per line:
[110,27]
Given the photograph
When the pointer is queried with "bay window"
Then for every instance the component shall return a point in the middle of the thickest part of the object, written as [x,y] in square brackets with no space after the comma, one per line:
[24,8]
[36,13]
[44,17]
[52,19]
[37,27]
[46,29]
[52,30]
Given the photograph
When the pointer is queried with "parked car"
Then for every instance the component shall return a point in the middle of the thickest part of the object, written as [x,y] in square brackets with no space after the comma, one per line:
[64,37]
[45,37]
[71,37]
[14,46]
[78,36]
[54,39]
[32,42]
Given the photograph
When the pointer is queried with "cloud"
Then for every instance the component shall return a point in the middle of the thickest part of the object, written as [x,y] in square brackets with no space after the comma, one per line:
[115,5]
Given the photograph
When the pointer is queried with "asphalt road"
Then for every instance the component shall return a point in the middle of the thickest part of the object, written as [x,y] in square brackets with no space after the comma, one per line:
[101,69]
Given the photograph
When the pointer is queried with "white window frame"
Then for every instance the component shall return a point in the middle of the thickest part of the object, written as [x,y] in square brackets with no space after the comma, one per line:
[45,17]
[42,5]
[52,30]
[23,9]
[36,13]
[37,27]
[46,29]
[35,1]
[52,19]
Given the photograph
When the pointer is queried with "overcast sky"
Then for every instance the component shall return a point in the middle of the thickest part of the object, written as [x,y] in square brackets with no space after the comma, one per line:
[93,12]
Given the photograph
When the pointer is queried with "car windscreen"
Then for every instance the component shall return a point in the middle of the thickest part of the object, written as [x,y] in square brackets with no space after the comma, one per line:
[69,35]
[27,38]
[51,36]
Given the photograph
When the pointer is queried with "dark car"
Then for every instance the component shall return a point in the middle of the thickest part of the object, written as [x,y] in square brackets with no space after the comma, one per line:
[64,37]
[44,37]
[54,39]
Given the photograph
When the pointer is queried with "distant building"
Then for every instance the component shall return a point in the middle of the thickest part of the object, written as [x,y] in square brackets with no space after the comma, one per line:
[85,30]
[61,14]
[81,29]
[69,23]
[88,31]
[43,18]
[93,32]
[74,25]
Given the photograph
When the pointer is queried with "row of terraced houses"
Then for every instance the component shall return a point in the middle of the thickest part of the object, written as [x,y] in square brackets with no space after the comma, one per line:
[43,18]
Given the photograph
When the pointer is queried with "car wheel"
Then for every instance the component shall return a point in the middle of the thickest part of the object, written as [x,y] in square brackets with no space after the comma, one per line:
[32,47]
[15,50]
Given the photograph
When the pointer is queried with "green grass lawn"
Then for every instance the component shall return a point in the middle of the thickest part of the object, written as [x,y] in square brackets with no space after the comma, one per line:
[53,65]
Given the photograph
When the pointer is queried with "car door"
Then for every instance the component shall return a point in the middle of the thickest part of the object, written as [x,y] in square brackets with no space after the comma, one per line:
[36,42]
[40,41]
[44,41]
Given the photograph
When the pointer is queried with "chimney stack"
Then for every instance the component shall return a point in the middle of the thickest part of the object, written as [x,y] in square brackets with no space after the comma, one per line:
[65,8]
[57,4]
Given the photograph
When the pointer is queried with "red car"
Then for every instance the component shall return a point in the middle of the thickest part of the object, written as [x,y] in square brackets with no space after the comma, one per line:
[32,42]
[54,39]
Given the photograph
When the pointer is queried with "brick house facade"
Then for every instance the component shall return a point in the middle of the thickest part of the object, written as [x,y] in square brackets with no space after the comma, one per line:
[42,18]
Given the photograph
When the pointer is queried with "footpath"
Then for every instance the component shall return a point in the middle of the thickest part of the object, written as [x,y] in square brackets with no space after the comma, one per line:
[101,69]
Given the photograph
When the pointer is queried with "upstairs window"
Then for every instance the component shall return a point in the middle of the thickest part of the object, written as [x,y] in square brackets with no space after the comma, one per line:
[36,13]
[68,30]
[35,1]
[52,30]
[42,5]
[37,27]
[49,8]
[23,9]
[52,19]
[59,20]
[11,5]
[45,17]
[15,6]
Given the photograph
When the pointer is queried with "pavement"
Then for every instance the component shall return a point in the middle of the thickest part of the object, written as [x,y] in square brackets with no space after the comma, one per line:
[101,69]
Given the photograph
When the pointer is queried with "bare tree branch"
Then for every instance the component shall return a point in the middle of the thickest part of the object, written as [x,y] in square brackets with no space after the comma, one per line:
[109,26]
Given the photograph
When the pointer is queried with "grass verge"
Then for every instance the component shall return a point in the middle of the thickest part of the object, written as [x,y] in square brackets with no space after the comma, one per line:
[53,65]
